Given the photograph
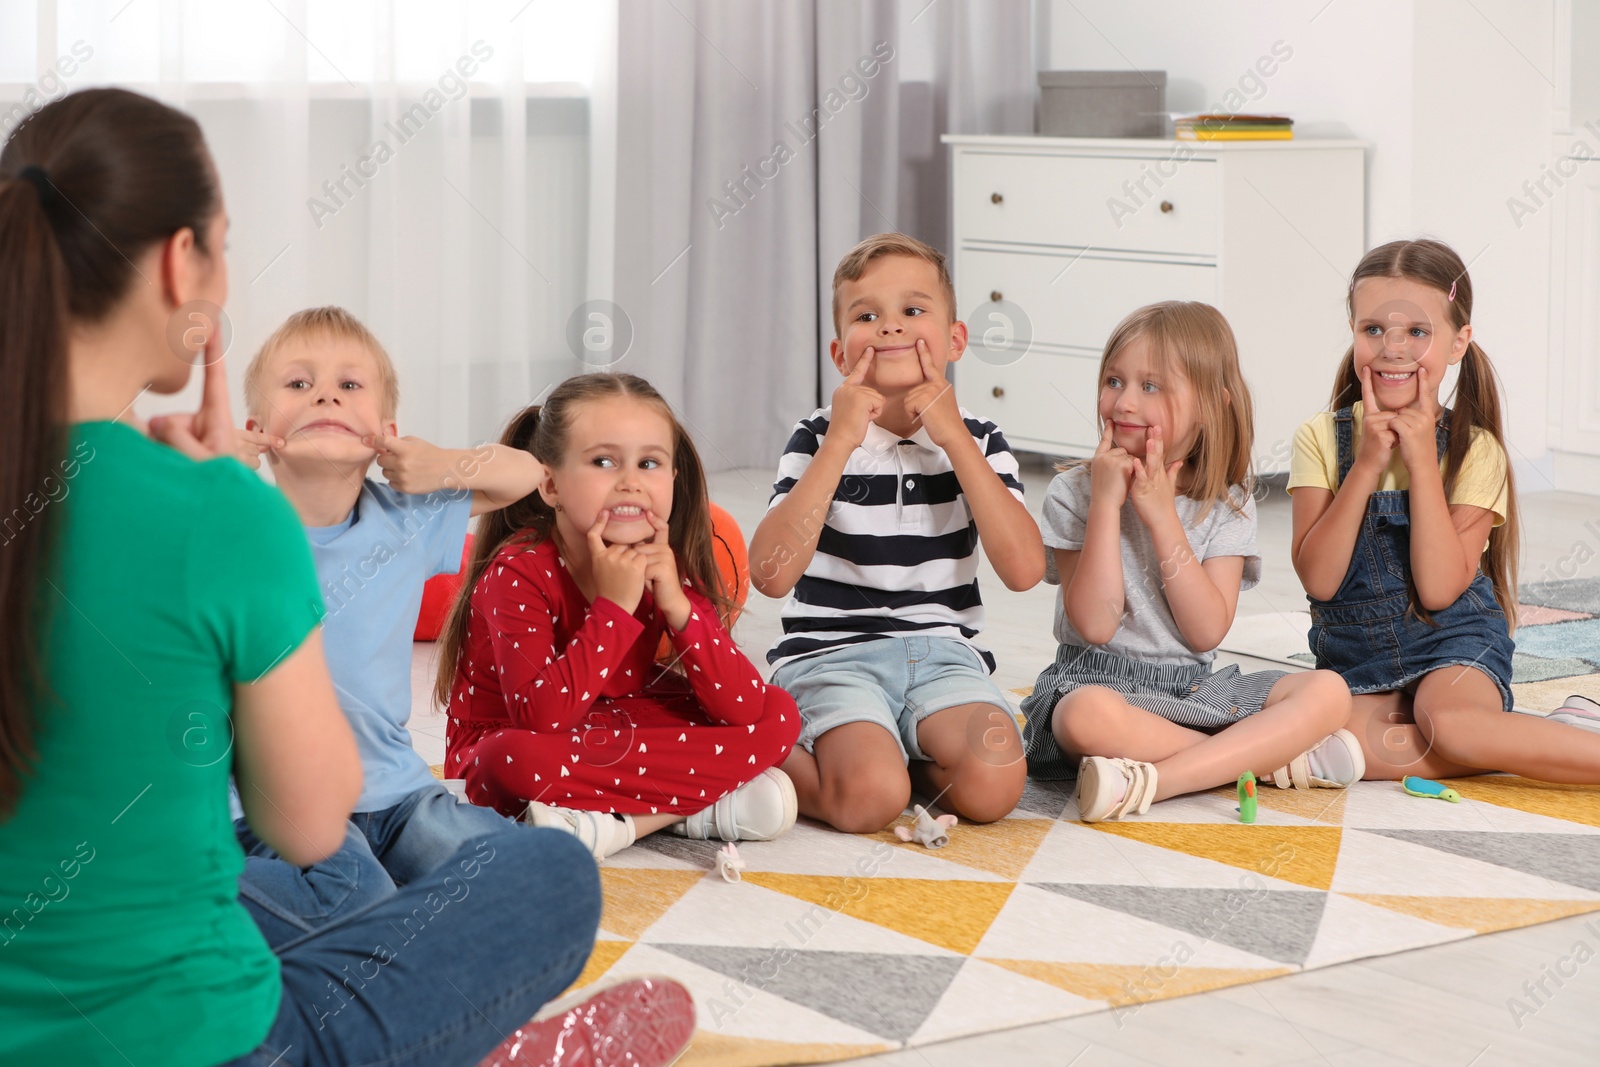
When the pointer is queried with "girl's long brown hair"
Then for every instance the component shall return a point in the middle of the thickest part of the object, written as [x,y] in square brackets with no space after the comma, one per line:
[115,173]
[1476,403]
[543,430]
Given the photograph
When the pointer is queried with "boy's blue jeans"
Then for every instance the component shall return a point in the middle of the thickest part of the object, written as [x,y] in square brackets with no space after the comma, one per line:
[439,971]
[382,850]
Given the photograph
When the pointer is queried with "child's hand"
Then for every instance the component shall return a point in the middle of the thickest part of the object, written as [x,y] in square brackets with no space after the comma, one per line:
[1154,486]
[856,405]
[661,572]
[411,464]
[619,570]
[1415,425]
[250,445]
[934,401]
[1377,435]
[1110,471]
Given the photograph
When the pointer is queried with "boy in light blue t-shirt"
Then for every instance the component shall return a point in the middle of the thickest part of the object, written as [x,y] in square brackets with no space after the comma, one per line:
[322,396]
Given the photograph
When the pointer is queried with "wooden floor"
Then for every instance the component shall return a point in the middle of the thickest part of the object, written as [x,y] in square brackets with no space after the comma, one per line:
[1451,1005]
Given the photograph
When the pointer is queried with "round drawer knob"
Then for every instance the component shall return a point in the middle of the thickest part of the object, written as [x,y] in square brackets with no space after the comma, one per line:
[998,391]
[994,294]
[995,198]
[1166,207]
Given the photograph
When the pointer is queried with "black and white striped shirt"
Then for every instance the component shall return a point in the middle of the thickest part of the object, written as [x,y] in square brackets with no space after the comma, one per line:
[898,548]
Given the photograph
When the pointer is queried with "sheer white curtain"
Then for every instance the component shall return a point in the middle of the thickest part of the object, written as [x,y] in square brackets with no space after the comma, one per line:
[425,165]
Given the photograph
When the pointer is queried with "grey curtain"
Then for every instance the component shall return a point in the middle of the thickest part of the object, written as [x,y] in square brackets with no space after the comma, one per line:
[756,142]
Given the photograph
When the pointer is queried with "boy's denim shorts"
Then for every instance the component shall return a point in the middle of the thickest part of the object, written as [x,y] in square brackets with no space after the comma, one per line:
[895,682]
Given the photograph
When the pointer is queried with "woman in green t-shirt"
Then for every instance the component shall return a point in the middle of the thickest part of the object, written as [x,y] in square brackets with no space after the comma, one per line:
[161,619]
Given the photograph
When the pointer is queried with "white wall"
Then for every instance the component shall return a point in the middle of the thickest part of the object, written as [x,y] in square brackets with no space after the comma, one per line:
[1457,109]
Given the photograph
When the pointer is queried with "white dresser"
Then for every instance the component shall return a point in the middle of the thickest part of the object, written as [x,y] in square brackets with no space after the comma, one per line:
[1056,239]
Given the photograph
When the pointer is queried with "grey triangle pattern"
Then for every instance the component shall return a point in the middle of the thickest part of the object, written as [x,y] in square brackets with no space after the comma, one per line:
[1277,924]
[887,995]
[1047,798]
[702,854]
[1570,858]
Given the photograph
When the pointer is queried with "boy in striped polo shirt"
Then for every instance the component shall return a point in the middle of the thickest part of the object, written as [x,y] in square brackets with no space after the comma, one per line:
[873,530]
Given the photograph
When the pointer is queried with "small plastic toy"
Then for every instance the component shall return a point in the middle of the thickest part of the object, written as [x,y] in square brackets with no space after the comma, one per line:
[929,832]
[1423,787]
[729,864]
[1247,797]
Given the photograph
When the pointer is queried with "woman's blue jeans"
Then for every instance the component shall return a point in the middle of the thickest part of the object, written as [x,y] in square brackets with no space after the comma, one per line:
[437,973]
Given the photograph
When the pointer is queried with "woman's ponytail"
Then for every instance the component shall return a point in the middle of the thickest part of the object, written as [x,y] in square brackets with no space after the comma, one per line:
[87,184]
[33,431]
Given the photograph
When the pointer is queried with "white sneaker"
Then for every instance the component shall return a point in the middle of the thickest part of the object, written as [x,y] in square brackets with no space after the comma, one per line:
[1335,763]
[1109,788]
[759,810]
[602,833]
[1578,711]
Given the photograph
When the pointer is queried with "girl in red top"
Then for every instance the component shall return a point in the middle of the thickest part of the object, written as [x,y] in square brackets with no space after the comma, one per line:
[559,711]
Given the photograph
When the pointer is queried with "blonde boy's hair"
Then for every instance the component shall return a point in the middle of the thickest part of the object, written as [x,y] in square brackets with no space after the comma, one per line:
[854,265]
[328,322]
[1194,340]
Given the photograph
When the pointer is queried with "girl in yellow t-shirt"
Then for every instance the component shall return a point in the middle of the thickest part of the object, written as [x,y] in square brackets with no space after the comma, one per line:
[1405,536]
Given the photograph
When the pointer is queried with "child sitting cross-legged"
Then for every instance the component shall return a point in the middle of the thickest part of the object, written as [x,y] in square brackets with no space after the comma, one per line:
[322,396]
[559,712]
[882,501]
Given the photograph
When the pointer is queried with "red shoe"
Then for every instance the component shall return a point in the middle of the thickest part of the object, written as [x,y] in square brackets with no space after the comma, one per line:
[633,1022]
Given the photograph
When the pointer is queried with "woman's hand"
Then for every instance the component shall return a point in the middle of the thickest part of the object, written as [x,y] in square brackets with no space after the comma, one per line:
[209,432]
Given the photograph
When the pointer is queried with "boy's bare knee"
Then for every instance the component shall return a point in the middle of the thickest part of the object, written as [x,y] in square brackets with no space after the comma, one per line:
[866,807]
[990,792]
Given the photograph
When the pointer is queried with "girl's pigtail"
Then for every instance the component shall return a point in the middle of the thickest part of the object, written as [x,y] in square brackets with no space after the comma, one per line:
[529,519]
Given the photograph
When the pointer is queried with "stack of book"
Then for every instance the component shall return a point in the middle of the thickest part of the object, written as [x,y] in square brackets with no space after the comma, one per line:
[1234,128]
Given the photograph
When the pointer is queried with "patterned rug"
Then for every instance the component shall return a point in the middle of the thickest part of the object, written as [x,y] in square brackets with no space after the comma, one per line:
[833,946]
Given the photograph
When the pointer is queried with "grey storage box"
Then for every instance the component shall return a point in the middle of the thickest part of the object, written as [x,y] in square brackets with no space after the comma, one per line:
[1103,103]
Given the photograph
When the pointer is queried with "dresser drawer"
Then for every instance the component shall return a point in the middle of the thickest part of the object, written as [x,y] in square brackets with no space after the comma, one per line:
[1044,402]
[1070,200]
[1073,300]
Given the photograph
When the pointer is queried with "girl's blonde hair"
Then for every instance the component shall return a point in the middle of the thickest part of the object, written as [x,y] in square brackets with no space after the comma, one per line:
[1477,395]
[1194,340]
[543,431]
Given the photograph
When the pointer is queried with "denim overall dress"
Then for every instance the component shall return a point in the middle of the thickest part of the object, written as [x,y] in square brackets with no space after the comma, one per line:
[1368,632]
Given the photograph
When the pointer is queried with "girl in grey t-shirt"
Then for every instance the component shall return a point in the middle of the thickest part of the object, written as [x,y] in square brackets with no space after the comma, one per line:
[1151,542]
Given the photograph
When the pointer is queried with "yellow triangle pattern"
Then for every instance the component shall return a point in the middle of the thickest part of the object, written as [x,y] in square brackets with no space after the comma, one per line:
[1315,805]
[711,1049]
[1305,855]
[951,914]
[635,899]
[1573,803]
[1120,985]
[1482,915]
[1005,847]
[600,960]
